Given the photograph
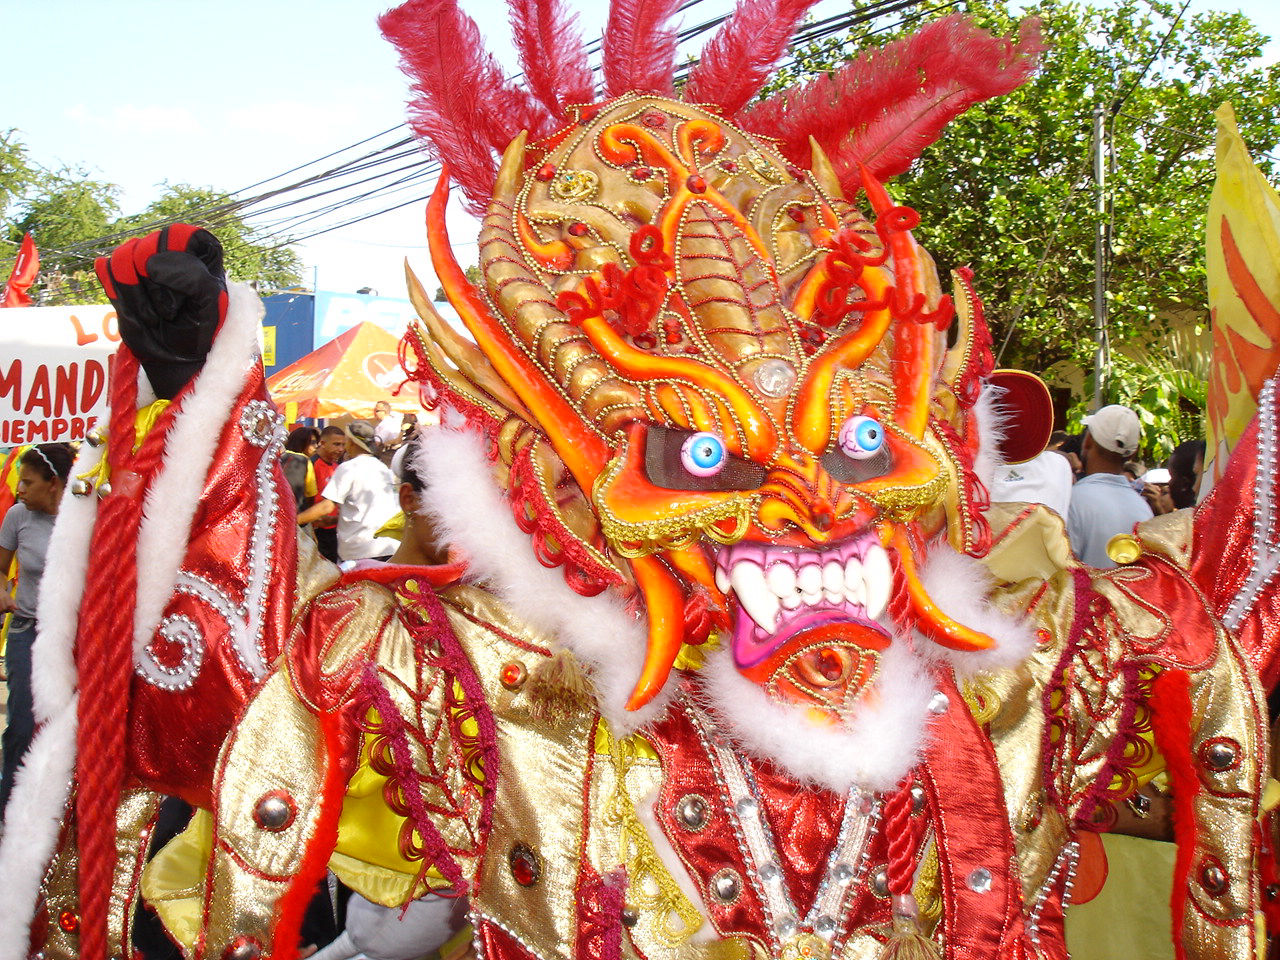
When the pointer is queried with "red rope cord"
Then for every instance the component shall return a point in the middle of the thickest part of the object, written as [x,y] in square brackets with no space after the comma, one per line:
[104,650]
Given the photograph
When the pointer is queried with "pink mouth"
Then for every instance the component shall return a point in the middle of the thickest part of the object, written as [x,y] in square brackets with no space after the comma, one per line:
[785,592]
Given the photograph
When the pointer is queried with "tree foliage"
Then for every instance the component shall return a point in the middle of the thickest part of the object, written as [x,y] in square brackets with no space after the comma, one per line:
[1009,190]
[75,218]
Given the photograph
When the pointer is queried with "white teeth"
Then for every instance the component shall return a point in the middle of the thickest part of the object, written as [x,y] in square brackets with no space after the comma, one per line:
[781,578]
[877,575]
[753,593]
[809,580]
[833,582]
[763,594]
[855,590]
[722,579]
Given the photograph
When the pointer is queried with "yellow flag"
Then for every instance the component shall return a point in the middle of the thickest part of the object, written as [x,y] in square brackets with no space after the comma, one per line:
[1243,247]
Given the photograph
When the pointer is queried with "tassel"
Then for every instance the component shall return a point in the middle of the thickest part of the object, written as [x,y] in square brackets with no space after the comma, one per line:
[907,941]
[558,689]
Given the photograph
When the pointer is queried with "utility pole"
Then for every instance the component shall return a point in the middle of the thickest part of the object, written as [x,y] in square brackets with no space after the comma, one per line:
[1099,255]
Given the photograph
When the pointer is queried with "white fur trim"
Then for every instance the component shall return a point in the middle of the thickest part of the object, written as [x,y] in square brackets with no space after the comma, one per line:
[961,585]
[470,509]
[53,661]
[883,739]
[175,493]
[32,825]
[993,419]
[43,781]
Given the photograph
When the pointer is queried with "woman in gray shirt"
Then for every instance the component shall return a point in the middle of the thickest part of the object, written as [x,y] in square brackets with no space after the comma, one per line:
[42,476]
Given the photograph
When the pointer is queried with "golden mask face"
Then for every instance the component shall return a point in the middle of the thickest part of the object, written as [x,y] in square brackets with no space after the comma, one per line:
[744,385]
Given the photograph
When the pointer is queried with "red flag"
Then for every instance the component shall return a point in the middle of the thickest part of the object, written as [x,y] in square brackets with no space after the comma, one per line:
[25,270]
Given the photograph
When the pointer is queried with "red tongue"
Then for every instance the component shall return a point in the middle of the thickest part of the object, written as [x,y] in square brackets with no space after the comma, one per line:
[834,636]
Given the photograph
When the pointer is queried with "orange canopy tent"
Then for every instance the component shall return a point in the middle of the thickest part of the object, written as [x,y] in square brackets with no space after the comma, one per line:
[345,378]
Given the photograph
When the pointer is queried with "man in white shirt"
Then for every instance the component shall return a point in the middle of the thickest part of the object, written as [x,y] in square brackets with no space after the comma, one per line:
[363,492]
[1103,502]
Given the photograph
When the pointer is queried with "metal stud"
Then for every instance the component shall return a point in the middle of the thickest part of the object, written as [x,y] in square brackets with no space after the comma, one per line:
[939,703]
[726,885]
[242,948]
[274,811]
[917,798]
[104,489]
[1214,879]
[692,812]
[979,880]
[1221,755]
[81,487]
[630,916]
[879,881]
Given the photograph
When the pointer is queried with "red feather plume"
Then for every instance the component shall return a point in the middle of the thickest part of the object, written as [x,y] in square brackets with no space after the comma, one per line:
[882,109]
[551,54]
[463,106]
[736,62]
[639,47]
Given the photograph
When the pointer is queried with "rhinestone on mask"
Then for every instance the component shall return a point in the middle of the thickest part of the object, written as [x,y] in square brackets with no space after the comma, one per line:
[1221,755]
[525,866]
[274,811]
[775,377]
[939,703]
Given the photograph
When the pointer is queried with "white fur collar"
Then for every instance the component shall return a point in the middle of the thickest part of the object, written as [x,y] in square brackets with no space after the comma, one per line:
[463,498]
[883,740]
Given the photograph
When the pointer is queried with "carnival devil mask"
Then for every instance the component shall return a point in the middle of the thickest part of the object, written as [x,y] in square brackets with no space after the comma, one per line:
[708,377]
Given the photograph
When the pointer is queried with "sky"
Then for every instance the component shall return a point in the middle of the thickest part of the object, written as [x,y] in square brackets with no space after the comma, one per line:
[228,93]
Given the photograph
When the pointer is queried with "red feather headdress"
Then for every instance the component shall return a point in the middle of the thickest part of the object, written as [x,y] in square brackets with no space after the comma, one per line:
[879,110]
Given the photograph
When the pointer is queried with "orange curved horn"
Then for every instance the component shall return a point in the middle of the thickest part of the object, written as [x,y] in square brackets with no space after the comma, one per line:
[932,622]
[664,603]
[582,451]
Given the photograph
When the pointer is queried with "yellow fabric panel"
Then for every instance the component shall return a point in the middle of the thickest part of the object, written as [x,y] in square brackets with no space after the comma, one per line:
[172,883]
[1129,919]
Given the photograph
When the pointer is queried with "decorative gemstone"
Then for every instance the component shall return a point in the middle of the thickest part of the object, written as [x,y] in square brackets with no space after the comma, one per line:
[652,118]
[866,806]
[775,377]
[879,881]
[979,880]
[769,870]
[796,214]
[546,172]
[728,166]
[939,703]
[1214,879]
[746,807]
[525,867]
[68,921]
[824,925]
[274,811]
[577,229]
[726,885]
[796,172]
[842,873]
[917,798]
[696,184]
[513,675]
[1271,893]
[242,948]
[691,811]
[1140,804]
[641,173]
[104,489]
[786,928]
[630,916]
[1221,755]
[81,487]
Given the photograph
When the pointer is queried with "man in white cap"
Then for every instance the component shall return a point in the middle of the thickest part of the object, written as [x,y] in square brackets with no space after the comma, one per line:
[362,491]
[1103,502]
